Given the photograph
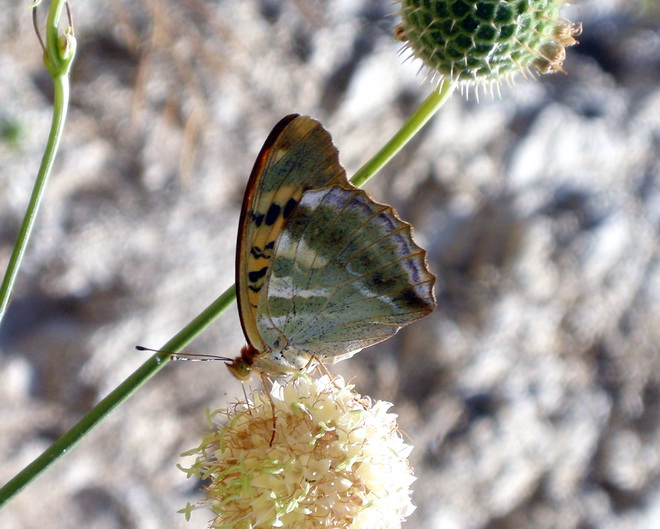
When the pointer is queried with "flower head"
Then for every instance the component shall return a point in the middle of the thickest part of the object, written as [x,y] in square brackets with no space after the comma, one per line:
[476,42]
[336,460]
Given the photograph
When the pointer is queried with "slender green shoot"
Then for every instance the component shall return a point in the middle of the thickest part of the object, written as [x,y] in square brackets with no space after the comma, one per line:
[59,52]
[424,112]
[88,422]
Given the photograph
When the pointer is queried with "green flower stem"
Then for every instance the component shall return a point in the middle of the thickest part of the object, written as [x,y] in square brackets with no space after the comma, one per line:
[156,362]
[424,112]
[58,57]
[148,369]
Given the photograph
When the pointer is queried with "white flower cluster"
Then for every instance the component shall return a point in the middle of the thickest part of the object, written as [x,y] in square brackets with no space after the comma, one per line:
[334,460]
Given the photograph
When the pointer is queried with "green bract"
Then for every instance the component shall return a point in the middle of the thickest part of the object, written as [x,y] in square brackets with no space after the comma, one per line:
[485,41]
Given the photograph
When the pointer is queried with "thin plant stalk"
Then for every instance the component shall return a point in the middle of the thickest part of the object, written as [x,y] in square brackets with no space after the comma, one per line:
[157,361]
[422,114]
[129,386]
[58,58]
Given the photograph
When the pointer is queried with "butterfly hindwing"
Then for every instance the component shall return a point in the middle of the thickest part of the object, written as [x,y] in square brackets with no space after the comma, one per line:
[345,274]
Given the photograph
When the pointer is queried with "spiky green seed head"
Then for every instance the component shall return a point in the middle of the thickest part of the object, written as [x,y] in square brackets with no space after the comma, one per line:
[477,42]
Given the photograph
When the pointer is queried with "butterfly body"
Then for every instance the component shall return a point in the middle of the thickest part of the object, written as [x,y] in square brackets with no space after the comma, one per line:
[322,269]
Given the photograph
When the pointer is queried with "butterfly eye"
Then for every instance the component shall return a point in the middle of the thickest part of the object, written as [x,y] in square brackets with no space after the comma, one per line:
[240,368]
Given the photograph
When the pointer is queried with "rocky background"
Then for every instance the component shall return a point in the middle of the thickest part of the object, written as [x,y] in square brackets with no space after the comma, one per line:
[531,394]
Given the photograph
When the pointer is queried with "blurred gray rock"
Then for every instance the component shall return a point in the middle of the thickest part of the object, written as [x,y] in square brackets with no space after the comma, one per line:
[531,394]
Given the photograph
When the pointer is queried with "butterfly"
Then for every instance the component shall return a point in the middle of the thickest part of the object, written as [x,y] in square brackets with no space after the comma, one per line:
[322,270]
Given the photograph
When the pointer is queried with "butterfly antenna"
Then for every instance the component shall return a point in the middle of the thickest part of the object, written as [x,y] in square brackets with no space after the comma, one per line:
[190,357]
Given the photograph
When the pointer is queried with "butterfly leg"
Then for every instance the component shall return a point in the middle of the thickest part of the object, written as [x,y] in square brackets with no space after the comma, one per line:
[321,368]
[247,400]
[268,386]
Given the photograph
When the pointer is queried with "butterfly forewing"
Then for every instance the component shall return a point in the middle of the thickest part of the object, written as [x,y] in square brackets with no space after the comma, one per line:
[298,155]
[345,274]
